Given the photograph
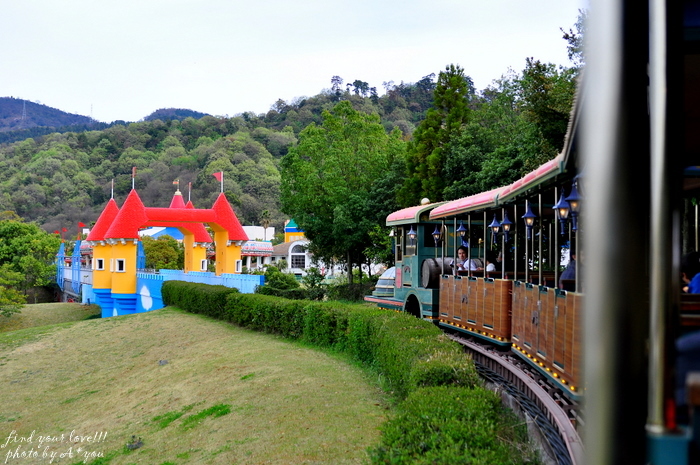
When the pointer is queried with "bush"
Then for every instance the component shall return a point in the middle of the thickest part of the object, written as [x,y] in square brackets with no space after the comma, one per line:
[355,292]
[443,425]
[197,298]
[313,283]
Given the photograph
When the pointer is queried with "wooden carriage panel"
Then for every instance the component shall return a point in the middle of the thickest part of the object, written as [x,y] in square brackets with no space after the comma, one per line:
[561,357]
[503,305]
[487,288]
[517,309]
[529,316]
[473,304]
[461,299]
[447,284]
[575,308]
[545,326]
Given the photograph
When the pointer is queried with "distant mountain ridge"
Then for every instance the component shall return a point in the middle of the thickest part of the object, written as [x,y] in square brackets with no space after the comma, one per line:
[21,119]
[18,113]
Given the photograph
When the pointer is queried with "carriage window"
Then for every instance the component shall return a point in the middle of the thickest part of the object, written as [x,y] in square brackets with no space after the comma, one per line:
[398,238]
[100,264]
[410,248]
[204,265]
[121,265]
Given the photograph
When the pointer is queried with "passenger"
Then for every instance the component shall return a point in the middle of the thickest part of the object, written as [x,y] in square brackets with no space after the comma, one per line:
[690,272]
[490,259]
[462,264]
[569,272]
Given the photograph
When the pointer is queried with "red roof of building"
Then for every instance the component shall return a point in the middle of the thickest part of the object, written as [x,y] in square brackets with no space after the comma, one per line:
[130,218]
[228,220]
[178,201]
[134,215]
[97,233]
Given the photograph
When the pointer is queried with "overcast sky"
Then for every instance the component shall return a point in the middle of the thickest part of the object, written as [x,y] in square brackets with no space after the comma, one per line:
[124,59]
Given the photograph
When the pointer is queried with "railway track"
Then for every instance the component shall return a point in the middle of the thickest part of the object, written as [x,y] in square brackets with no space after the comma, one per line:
[556,416]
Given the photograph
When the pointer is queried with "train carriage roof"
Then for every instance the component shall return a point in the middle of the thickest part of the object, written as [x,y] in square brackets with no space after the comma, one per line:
[501,195]
[409,215]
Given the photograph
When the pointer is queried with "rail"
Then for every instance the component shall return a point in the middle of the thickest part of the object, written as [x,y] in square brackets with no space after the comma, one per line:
[562,417]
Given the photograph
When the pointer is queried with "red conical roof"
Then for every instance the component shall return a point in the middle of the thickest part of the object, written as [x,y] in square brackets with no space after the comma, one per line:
[130,218]
[97,233]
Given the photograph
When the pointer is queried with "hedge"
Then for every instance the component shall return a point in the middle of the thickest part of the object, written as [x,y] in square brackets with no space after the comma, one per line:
[413,357]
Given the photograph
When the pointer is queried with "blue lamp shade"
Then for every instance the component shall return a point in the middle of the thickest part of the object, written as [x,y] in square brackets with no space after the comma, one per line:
[462,231]
[412,233]
[436,235]
[562,209]
[505,225]
[574,200]
[529,218]
[495,226]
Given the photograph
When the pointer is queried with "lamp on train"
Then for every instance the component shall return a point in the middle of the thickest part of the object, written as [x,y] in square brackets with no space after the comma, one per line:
[529,218]
[462,231]
[495,226]
[506,224]
[412,235]
[436,235]
[562,208]
[574,201]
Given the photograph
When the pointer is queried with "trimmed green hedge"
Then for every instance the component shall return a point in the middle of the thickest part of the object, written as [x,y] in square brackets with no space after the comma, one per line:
[416,360]
[448,425]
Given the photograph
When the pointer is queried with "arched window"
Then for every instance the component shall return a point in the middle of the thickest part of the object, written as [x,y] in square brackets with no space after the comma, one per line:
[298,257]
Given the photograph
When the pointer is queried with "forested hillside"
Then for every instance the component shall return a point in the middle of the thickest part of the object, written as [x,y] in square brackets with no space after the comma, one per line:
[448,140]
[64,178]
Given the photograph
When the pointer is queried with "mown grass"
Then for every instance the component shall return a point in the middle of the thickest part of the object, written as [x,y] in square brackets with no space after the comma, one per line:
[168,387]
[36,315]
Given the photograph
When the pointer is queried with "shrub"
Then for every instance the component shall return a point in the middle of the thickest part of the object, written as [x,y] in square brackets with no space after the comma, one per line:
[197,298]
[444,425]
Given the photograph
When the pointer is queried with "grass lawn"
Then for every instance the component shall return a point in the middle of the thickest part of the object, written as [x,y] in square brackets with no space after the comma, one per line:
[47,314]
[179,389]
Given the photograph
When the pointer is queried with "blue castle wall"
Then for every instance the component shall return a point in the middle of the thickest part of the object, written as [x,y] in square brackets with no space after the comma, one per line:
[148,296]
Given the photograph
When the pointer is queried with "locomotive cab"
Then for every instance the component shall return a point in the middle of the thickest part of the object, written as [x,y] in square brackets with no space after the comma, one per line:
[419,263]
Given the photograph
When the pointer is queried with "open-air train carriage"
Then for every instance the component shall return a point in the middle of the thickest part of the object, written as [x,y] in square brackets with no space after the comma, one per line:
[510,306]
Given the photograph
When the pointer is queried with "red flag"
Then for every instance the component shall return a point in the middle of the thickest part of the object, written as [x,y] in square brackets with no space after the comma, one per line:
[65,229]
[81,224]
[219,176]
[56,232]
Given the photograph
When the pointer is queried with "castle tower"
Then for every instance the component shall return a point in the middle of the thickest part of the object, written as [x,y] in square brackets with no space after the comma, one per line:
[123,236]
[196,245]
[229,237]
[102,255]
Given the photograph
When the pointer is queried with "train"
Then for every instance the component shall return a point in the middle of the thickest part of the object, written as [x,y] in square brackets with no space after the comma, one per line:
[621,198]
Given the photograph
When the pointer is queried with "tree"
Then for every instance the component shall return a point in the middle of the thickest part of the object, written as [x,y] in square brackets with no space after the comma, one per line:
[426,158]
[11,300]
[163,253]
[575,41]
[547,97]
[329,177]
[27,249]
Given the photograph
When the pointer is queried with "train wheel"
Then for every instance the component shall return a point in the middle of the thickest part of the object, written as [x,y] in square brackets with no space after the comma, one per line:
[412,306]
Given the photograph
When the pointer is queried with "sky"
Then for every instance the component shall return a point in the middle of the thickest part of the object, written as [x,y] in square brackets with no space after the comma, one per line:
[124,59]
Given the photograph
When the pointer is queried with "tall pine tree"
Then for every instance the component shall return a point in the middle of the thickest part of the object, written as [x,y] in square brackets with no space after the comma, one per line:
[426,157]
